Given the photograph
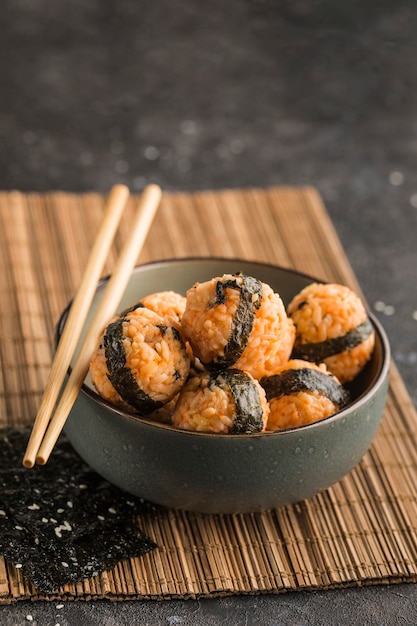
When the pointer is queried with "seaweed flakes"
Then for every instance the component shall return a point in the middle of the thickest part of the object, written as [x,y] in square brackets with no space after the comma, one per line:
[62,522]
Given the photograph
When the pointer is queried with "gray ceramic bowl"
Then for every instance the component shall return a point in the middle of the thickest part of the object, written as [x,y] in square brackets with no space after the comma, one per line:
[212,473]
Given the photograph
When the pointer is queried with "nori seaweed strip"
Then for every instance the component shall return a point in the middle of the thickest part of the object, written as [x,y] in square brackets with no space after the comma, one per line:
[305,379]
[245,393]
[243,321]
[120,376]
[62,522]
[317,352]
[138,305]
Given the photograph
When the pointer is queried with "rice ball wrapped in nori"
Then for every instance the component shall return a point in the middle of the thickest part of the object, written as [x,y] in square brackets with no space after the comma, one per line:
[230,401]
[141,362]
[236,320]
[301,393]
[332,326]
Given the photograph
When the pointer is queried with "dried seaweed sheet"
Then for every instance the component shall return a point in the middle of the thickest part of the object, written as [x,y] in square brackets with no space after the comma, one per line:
[62,522]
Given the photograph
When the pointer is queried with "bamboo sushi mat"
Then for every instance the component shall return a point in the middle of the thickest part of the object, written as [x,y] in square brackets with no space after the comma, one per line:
[361,531]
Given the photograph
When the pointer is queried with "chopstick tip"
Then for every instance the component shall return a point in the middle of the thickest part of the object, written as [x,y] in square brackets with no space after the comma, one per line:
[28,462]
[153,188]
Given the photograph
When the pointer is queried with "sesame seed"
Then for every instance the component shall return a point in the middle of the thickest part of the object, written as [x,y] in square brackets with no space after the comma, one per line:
[59,606]
[34,507]
[2,512]
[101,518]
[113,511]
[69,504]
[60,510]
[18,565]
[386,309]
[18,528]
[413,200]
[188,127]
[53,520]
[414,315]
[64,564]
[45,520]
[29,618]
[396,178]
[151,153]
[65,526]
[379,305]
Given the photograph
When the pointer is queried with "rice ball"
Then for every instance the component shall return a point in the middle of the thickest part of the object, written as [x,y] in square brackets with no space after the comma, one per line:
[230,401]
[301,393]
[236,320]
[141,362]
[332,326]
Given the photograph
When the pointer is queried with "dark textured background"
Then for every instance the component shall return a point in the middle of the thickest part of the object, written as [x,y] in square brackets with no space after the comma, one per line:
[195,95]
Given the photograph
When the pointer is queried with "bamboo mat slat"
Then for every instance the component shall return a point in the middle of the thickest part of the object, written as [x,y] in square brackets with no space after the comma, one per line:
[361,531]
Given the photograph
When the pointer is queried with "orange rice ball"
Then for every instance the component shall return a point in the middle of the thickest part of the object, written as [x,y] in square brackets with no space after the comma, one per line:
[238,321]
[141,362]
[332,326]
[230,401]
[301,393]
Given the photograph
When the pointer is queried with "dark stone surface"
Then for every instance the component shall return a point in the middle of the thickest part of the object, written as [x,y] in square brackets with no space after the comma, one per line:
[230,94]
[368,606]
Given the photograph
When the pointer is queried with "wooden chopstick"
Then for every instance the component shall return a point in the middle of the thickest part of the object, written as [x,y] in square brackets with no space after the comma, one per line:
[107,307]
[116,203]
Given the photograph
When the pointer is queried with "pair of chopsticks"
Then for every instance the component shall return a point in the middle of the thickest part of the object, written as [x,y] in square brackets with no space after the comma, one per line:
[48,423]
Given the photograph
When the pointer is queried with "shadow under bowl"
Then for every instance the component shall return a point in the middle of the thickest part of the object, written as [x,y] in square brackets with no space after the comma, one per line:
[211,473]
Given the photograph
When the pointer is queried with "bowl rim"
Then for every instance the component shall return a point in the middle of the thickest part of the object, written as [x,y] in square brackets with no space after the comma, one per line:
[362,399]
